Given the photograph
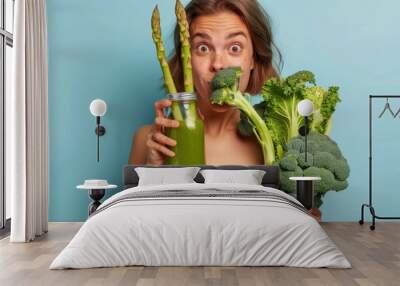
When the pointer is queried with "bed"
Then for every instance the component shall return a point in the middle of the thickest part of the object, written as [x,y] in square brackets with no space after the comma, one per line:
[201,224]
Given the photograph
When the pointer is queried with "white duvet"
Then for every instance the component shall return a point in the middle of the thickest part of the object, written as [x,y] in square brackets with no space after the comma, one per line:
[200,231]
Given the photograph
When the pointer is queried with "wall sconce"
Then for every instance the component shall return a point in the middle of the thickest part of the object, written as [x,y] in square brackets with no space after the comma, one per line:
[305,189]
[98,108]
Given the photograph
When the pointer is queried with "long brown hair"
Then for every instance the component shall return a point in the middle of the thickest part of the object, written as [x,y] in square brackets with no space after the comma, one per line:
[258,24]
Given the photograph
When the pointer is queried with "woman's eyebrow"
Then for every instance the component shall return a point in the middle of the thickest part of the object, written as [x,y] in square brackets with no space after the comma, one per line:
[232,35]
[200,35]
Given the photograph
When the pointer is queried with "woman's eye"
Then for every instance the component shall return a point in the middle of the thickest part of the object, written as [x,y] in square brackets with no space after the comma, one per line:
[236,48]
[203,48]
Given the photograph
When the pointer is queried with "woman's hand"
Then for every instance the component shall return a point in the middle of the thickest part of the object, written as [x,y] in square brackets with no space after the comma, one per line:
[157,142]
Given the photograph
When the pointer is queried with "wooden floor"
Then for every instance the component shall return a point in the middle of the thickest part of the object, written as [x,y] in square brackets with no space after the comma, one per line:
[374,255]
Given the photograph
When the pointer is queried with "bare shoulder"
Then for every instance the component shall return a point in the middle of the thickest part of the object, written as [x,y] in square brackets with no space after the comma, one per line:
[139,149]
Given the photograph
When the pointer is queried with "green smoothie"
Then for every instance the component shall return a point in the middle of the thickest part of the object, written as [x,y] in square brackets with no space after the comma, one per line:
[189,136]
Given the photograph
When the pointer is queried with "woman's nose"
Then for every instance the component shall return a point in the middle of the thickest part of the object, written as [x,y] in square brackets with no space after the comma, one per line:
[217,63]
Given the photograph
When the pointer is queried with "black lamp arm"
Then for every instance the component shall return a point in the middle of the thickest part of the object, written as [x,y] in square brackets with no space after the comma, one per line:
[100,131]
[305,136]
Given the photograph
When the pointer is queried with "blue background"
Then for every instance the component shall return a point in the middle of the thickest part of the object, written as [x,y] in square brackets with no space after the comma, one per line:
[103,49]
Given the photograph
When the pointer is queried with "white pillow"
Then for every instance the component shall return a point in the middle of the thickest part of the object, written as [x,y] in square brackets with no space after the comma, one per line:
[162,176]
[249,177]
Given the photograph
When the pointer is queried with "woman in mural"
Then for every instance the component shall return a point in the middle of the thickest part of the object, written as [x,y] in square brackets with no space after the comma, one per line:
[224,33]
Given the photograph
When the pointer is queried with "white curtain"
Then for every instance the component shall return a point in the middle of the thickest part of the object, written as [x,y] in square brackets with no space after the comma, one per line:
[27,124]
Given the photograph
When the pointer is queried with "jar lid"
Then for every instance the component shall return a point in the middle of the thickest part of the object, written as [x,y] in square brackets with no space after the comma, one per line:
[182,96]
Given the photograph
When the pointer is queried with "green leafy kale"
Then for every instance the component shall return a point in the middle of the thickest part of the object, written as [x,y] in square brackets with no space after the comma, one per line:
[279,108]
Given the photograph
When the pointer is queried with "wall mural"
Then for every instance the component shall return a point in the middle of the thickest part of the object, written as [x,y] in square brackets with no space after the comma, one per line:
[183,89]
[211,81]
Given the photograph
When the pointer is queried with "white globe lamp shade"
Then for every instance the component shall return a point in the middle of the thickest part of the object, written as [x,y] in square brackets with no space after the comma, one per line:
[98,107]
[305,107]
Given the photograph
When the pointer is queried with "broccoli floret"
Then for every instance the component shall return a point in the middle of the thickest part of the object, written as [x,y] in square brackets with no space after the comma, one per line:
[288,185]
[324,143]
[226,78]
[341,169]
[293,152]
[288,163]
[337,165]
[225,90]
[324,160]
[296,144]
[301,160]
[301,77]
[328,180]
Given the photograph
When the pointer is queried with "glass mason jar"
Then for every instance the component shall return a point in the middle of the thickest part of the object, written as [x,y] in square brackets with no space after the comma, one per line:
[189,136]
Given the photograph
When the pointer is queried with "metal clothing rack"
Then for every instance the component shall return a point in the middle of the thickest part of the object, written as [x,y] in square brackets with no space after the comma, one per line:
[369,205]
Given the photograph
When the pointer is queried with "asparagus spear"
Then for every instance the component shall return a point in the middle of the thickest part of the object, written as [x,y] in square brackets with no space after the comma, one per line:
[169,81]
[157,38]
[185,42]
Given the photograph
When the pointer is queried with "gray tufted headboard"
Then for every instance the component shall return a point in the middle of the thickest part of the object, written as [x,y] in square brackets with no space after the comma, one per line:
[271,178]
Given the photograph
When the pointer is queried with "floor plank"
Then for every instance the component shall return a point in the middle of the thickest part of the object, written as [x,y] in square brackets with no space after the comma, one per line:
[374,255]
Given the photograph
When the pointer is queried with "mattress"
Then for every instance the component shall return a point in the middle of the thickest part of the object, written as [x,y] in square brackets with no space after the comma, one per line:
[201,225]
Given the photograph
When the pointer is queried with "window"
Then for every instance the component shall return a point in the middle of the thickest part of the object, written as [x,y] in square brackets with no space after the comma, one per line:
[6,44]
